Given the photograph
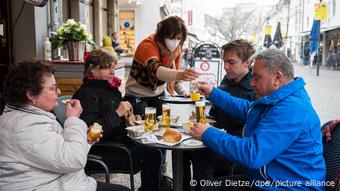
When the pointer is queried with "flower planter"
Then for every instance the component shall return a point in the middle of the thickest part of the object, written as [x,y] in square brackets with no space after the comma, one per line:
[75,50]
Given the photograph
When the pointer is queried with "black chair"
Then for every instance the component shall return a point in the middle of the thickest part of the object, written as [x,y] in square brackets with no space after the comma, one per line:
[331,153]
[118,148]
[121,151]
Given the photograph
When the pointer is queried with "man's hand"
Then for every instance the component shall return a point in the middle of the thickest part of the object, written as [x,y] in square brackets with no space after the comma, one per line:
[204,88]
[198,129]
[73,108]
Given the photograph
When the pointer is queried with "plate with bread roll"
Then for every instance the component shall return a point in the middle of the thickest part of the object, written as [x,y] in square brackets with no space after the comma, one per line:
[172,137]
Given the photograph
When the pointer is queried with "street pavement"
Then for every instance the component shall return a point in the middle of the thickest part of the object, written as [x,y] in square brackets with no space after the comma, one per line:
[324,91]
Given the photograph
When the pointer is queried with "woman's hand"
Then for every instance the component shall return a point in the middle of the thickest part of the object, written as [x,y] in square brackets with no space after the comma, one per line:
[138,117]
[73,108]
[123,107]
[90,141]
[198,129]
[170,87]
[187,75]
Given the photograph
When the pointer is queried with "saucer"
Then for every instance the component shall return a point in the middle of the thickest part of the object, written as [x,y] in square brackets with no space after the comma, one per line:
[192,142]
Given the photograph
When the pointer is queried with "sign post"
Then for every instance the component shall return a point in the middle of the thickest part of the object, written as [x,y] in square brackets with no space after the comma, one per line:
[207,61]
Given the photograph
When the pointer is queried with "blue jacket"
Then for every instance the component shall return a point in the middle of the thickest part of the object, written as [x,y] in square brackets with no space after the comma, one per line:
[282,142]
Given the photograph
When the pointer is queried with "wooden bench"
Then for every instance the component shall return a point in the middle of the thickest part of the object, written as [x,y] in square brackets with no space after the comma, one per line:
[69,75]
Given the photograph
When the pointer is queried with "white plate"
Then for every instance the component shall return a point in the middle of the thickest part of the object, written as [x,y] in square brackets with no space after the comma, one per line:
[192,142]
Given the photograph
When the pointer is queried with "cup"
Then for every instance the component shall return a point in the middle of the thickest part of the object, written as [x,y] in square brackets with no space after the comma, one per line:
[200,115]
[165,116]
[150,119]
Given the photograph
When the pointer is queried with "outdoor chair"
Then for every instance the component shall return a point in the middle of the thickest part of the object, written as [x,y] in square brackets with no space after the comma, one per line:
[121,151]
[331,153]
[95,163]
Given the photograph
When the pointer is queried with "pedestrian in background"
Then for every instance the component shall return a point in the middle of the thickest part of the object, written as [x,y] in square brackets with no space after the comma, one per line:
[116,44]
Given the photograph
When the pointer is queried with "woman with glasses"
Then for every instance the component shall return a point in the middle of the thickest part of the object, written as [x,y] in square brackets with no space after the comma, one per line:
[156,65]
[36,152]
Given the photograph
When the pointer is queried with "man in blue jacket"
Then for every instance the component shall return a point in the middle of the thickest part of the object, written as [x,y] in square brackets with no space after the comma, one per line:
[282,143]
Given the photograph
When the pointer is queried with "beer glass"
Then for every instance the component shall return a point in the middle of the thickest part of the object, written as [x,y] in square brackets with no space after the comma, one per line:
[165,116]
[200,115]
[150,119]
[194,92]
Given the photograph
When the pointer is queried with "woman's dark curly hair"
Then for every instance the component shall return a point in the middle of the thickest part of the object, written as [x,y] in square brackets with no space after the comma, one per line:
[25,76]
[169,28]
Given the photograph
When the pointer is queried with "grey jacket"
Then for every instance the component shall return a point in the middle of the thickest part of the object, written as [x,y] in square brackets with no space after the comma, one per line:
[36,153]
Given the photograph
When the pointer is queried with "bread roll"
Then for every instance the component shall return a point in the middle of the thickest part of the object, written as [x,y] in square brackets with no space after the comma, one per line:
[172,136]
[94,132]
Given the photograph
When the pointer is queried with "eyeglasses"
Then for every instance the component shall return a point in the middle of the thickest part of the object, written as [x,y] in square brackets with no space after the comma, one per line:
[53,88]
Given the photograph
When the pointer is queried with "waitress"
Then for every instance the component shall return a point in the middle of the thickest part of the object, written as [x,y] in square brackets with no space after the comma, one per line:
[156,65]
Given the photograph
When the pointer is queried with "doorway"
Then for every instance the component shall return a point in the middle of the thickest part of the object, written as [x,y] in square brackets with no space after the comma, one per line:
[5,45]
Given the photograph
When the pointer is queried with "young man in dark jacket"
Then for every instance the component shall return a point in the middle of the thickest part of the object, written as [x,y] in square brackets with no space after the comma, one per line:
[237,62]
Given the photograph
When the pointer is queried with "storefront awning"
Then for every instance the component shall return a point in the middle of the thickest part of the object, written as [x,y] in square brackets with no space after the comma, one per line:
[322,30]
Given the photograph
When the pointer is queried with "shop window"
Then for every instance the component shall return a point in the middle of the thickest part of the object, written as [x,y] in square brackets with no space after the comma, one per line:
[127,29]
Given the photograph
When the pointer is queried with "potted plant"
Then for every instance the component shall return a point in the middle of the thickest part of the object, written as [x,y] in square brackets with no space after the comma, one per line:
[74,35]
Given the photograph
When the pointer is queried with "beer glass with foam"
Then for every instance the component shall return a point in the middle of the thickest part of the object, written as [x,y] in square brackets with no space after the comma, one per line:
[200,115]
[165,116]
[150,119]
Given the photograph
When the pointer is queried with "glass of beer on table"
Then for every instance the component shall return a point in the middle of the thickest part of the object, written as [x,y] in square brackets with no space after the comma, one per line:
[200,114]
[150,119]
[165,116]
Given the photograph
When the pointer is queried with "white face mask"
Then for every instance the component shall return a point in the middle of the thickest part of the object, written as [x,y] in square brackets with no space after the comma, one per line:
[172,44]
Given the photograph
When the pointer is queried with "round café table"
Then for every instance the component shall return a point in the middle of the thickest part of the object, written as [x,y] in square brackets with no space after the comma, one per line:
[177,159]
[182,106]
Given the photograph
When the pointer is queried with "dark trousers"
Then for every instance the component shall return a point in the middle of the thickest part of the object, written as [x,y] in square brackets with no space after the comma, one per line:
[223,184]
[147,160]
[201,165]
[110,187]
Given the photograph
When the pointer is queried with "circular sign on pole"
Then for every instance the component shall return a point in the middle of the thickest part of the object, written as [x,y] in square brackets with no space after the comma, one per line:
[205,66]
